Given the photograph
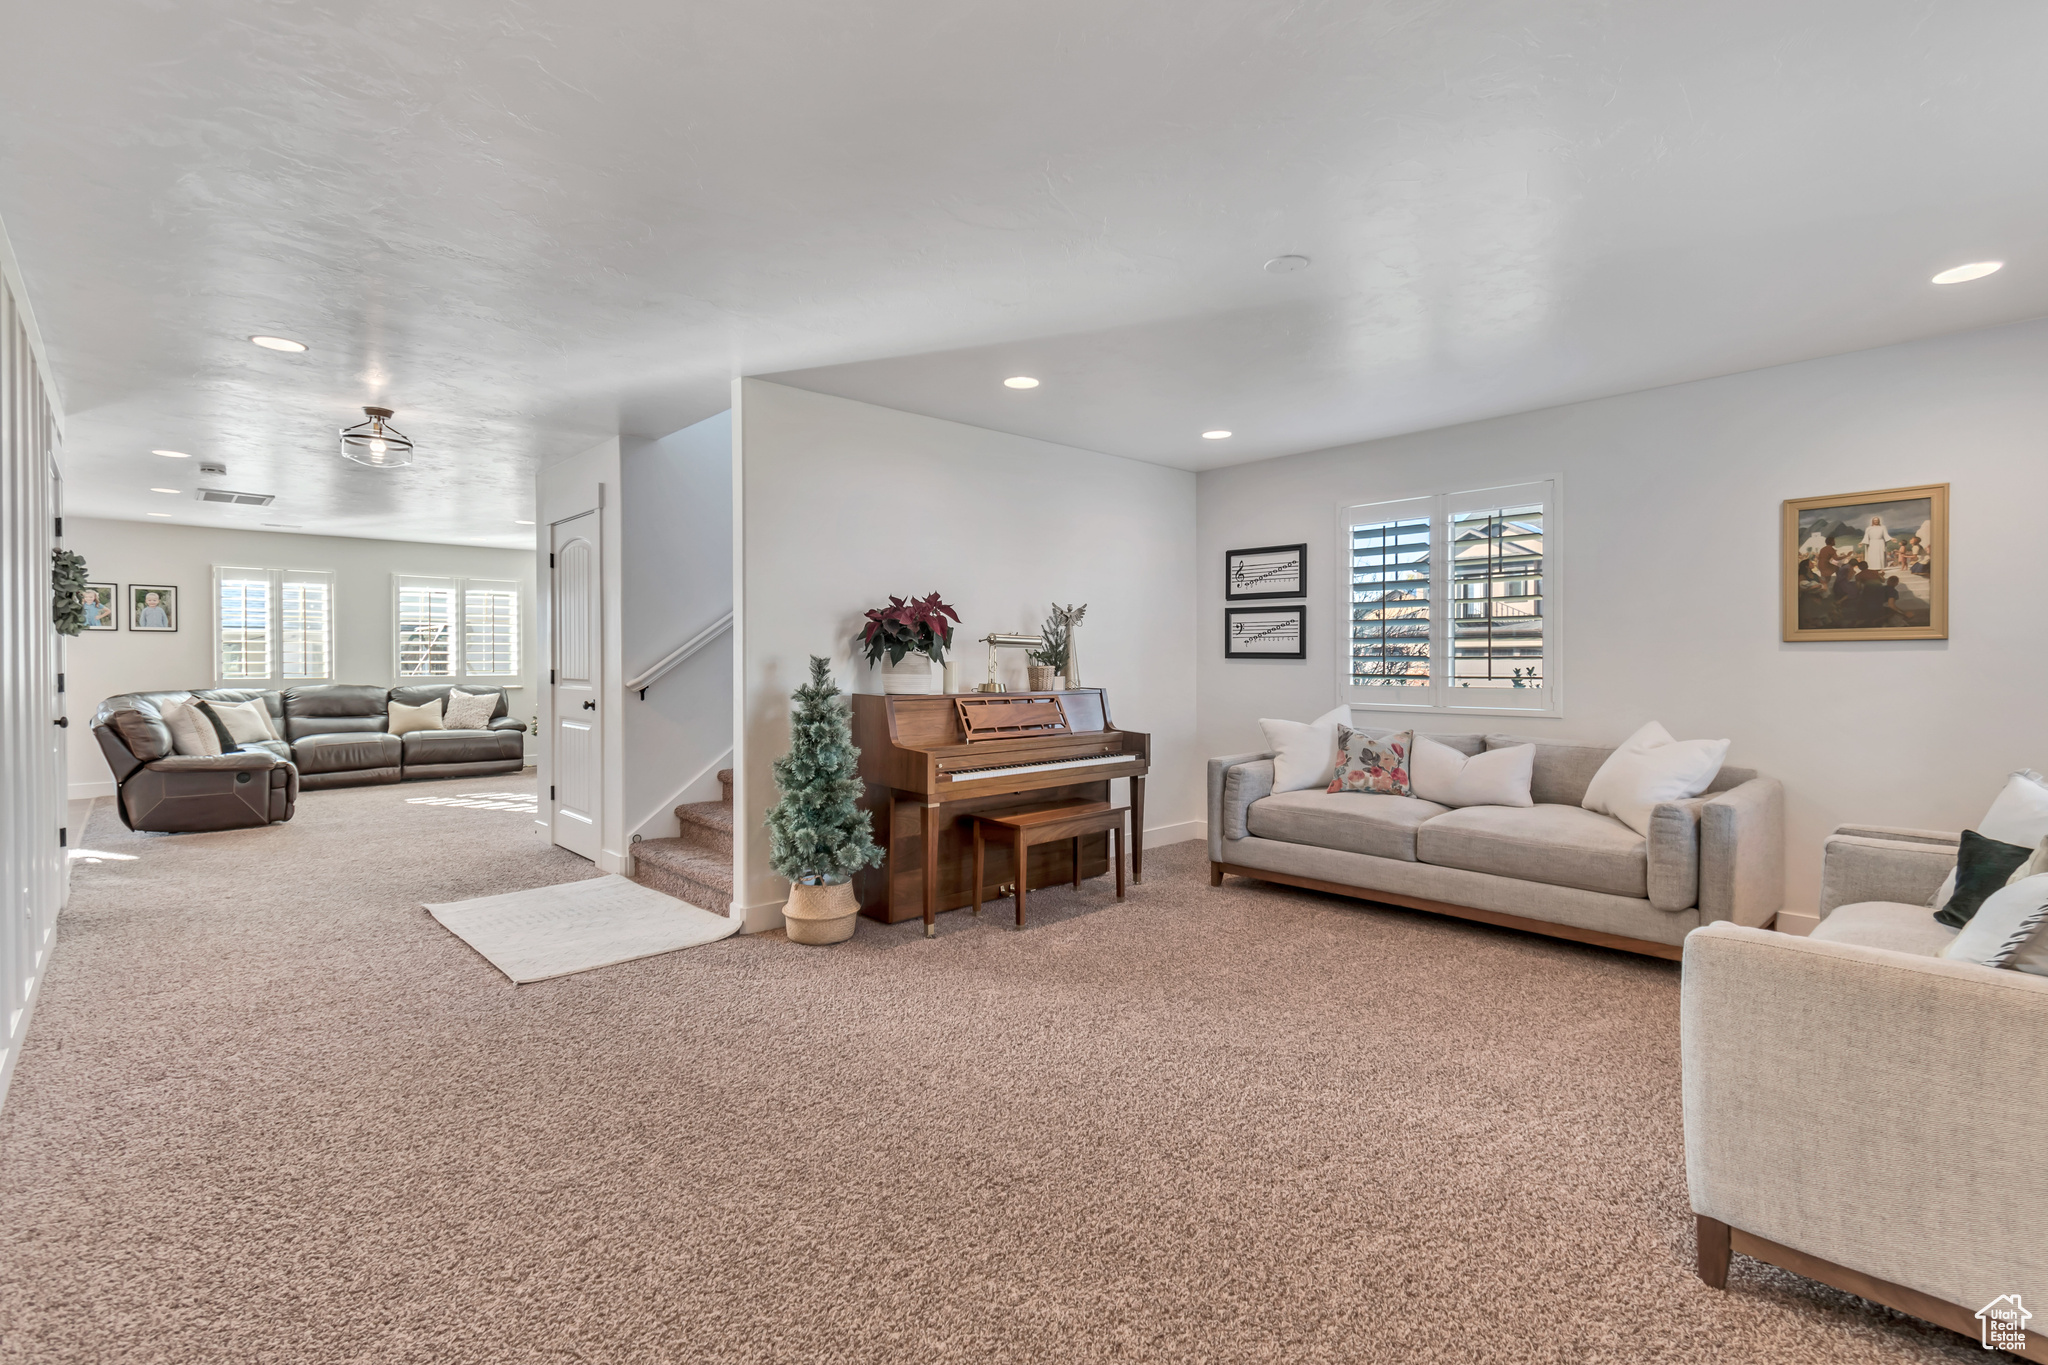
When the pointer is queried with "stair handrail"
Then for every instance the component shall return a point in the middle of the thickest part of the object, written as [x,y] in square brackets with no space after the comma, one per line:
[678,654]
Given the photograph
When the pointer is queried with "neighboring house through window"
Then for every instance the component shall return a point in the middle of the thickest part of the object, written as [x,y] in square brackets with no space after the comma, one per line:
[273,626]
[1450,603]
[456,628]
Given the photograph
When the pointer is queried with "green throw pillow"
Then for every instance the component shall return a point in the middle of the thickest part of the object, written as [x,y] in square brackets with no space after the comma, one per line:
[1982,867]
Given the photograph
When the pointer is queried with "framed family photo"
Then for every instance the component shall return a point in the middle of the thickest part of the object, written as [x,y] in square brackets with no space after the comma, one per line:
[101,603]
[1867,566]
[152,607]
[1265,633]
[1266,572]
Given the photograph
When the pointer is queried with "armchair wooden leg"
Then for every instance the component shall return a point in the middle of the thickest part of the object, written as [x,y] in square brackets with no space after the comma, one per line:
[1215,874]
[1713,1251]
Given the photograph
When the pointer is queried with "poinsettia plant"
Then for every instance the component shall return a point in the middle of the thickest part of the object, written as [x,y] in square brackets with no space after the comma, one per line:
[917,625]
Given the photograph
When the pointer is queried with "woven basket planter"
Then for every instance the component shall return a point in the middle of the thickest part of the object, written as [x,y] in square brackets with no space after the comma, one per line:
[821,914]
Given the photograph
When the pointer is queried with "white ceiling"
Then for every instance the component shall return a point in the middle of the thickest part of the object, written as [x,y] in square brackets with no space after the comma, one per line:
[526,227]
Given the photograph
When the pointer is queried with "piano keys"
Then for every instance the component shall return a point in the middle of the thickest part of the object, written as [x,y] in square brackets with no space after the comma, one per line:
[925,769]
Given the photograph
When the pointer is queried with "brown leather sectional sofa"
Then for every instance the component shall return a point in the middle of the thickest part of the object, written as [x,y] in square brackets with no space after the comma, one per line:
[335,735]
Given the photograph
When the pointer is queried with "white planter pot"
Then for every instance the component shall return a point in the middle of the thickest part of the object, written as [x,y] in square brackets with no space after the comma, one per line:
[821,914]
[914,674]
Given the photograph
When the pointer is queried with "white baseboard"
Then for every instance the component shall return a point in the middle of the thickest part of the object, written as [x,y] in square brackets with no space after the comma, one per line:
[86,791]
[1789,923]
[1157,836]
[759,919]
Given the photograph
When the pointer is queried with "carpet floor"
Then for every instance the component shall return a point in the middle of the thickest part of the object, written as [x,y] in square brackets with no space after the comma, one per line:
[270,1111]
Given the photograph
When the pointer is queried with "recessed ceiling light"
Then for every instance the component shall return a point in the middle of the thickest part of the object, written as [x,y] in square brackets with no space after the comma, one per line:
[522,523]
[166,490]
[279,343]
[1286,265]
[1976,270]
[1215,435]
[172,454]
[1022,381]
[159,514]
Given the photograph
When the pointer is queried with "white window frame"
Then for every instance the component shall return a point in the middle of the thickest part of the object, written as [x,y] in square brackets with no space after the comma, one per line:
[458,589]
[1438,697]
[273,675]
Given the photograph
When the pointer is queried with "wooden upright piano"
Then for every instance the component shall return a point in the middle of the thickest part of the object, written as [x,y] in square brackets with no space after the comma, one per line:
[925,769]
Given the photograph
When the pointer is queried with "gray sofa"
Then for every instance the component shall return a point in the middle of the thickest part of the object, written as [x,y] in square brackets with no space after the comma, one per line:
[1844,1087]
[1554,867]
[335,735]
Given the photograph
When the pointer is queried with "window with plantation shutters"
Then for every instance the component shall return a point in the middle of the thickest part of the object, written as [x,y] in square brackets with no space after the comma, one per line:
[455,629]
[426,628]
[490,629]
[305,634]
[1390,620]
[1451,602]
[273,627]
[1496,617]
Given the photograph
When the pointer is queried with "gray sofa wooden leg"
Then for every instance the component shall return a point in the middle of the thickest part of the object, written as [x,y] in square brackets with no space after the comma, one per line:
[1713,1251]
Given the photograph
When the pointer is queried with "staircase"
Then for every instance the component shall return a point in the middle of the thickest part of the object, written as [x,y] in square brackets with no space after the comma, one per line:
[698,866]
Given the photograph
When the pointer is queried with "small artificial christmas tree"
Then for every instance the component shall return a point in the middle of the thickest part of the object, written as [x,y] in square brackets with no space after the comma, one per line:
[815,832]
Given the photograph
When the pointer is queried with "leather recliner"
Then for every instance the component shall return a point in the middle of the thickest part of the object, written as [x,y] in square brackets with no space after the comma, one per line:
[335,735]
[162,790]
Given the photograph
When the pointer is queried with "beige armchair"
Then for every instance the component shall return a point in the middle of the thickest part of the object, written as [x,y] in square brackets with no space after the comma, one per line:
[1863,1112]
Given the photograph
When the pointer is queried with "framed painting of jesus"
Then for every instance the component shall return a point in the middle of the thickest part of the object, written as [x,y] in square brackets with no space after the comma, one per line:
[1867,566]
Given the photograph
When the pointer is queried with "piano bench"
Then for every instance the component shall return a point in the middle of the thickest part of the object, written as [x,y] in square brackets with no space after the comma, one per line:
[1021,829]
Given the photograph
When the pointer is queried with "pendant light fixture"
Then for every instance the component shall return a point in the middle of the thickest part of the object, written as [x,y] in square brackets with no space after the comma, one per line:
[376,442]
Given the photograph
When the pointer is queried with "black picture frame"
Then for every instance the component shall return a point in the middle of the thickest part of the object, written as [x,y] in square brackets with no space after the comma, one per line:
[1264,567]
[167,599]
[1264,627]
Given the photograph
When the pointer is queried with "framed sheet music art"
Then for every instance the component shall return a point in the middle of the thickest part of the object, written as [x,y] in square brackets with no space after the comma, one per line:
[1265,632]
[1267,572]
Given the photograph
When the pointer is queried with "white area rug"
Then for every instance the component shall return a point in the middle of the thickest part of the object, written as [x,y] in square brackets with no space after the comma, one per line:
[557,930]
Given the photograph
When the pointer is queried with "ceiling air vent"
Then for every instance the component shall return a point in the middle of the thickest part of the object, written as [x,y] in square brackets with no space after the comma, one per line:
[238,499]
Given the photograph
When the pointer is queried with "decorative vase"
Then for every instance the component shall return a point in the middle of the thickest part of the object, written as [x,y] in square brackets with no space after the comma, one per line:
[821,914]
[1042,676]
[914,674]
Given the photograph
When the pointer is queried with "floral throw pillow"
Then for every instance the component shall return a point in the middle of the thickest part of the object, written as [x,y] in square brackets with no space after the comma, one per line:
[1376,763]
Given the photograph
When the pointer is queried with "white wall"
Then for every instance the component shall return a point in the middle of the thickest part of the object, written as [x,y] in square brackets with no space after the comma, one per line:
[104,663]
[677,556]
[1670,555]
[843,504]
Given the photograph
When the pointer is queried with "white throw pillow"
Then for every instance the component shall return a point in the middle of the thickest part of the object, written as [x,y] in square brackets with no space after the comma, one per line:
[2018,816]
[469,710]
[1304,756]
[2010,929]
[406,719]
[192,735]
[248,722]
[1649,767]
[1499,777]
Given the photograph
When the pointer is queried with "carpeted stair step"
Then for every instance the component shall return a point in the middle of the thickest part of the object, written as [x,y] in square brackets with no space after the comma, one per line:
[708,826]
[680,868]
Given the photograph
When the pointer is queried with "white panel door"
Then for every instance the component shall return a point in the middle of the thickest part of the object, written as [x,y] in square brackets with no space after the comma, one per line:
[576,770]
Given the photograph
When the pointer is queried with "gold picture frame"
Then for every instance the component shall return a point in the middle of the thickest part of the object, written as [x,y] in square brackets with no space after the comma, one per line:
[1830,589]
